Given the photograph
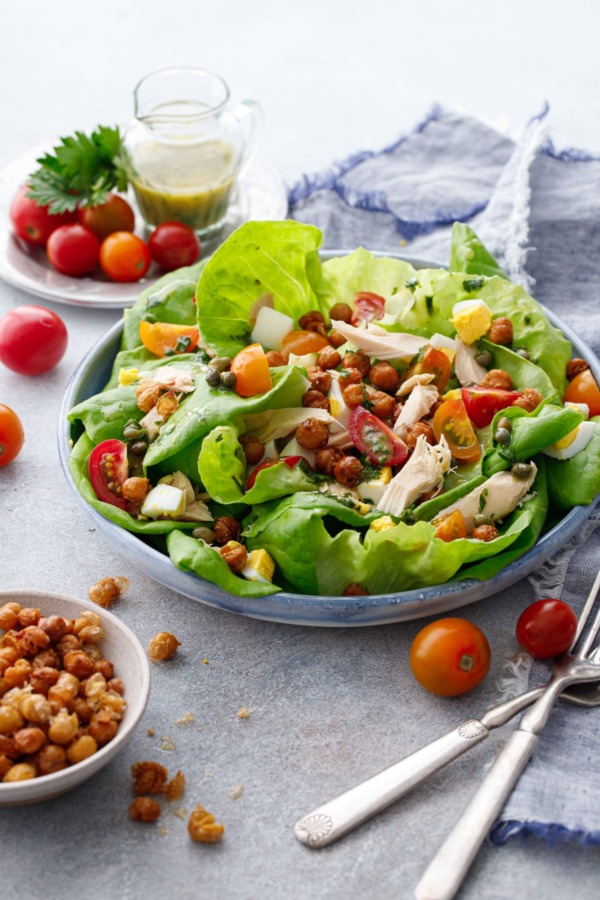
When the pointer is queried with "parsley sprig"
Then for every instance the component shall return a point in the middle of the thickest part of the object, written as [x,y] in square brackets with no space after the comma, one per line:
[81,171]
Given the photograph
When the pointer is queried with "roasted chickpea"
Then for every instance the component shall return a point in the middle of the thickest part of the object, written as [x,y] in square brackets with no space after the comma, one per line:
[144,809]
[17,675]
[51,758]
[167,404]
[135,489]
[82,709]
[28,615]
[147,396]
[235,555]
[46,659]
[5,765]
[29,740]
[275,359]
[335,338]
[253,448]
[31,640]
[8,617]
[203,828]
[328,358]
[116,685]
[8,656]
[313,321]
[497,379]
[163,646]
[226,528]
[357,360]
[68,642]
[35,708]
[326,459]
[103,727]
[350,376]
[55,627]
[381,404]
[413,432]
[484,533]
[149,777]
[312,434]
[574,367]
[104,667]
[341,312]
[354,590]
[530,400]
[81,748]
[348,471]
[319,379]
[355,395]
[384,377]
[315,400]
[501,331]
[176,786]
[20,772]
[10,719]
[78,663]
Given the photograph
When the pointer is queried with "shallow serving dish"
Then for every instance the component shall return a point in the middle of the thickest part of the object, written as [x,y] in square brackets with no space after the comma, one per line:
[131,665]
[90,377]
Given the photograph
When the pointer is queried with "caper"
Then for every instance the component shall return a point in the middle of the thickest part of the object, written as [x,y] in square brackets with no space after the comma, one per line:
[202,533]
[213,376]
[502,436]
[521,470]
[228,380]
[132,430]
[505,423]
[524,353]
[484,358]
[482,520]
[220,363]
[138,448]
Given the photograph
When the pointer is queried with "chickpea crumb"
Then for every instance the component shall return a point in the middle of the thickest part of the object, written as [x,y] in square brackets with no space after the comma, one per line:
[187,718]
[236,792]
[150,732]
[180,811]
[149,777]
[202,827]
[144,809]
[244,712]
[163,646]
[105,591]
[167,742]
[175,787]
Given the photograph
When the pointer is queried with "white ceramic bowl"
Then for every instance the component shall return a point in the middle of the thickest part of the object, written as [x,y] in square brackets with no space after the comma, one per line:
[123,649]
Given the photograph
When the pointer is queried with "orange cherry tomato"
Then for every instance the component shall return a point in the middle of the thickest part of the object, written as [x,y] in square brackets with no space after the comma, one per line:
[583,389]
[301,342]
[11,435]
[251,369]
[434,362]
[124,256]
[451,527]
[451,421]
[165,339]
[450,657]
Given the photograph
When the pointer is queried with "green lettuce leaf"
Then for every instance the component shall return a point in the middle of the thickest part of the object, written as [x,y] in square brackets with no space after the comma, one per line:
[170,299]
[576,481]
[531,433]
[468,254]
[193,556]
[524,373]
[222,464]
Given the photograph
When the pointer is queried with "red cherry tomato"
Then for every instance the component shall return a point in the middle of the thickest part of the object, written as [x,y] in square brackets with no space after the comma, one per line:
[34,223]
[450,657]
[583,389]
[173,245]
[482,404]
[451,421]
[367,307]
[108,469]
[373,437]
[433,362]
[33,340]
[73,250]
[11,435]
[124,256]
[290,461]
[115,214]
[546,628]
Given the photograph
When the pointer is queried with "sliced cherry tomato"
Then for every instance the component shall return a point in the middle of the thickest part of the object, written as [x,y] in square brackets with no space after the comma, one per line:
[301,342]
[251,369]
[166,339]
[450,657]
[124,256]
[33,340]
[73,250]
[115,214]
[290,461]
[546,628]
[373,437]
[434,362]
[108,469]
[32,223]
[173,245]
[583,389]
[11,435]
[482,404]
[451,527]
[451,421]
[367,307]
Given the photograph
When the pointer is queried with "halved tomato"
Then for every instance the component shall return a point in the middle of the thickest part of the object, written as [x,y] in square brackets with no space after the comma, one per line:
[482,404]
[451,421]
[451,527]
[108,469]
[166,339]
[434,362]
[583,389]
[367,307]
[373,438]
[251,369]
[290,461]
[302,342]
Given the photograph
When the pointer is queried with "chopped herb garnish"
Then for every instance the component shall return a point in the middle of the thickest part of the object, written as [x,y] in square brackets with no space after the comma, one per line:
[412,283]
[483,499]
[473,284]
[183,343]
[429,304]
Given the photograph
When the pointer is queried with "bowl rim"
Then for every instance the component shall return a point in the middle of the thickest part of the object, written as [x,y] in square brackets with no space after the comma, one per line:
[22,791]
[322,610]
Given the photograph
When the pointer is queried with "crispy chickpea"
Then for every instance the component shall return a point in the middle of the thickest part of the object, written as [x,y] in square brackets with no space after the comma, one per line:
[135,489]
[82,709]
[113,702]
[55,627]
[64,691]
[51,758]
[88,628]
[355,395]
[147,396]
[319,379]
[103,727]
[29,740]
[202,827]
[8,656]
[31,640]
[357,360]
[413,432]
[46,659]
[17,675]
[20,772]
[35,708]
[312,434]
[484,533]
[381,404]
[315,400]
[176,786]
[67,643]
[149,777]
[326,459]
[501,331]
[105,668]
[313,321]
[94,688]
[253,448]
[497,379]
[91,634]
[235,555]
[163,646]
[226,528]
[275,359]
[328,358]
[11,639]
[82,748]
[144,809]
[8,617]
[78,663]
[335,338]
[116,685]
[5,765]
[28,615]
[384,377]
[530,400]
[341,312]
[574,367]
[350,376]
[10,719]
[354,590]
[348,471]
[167,404]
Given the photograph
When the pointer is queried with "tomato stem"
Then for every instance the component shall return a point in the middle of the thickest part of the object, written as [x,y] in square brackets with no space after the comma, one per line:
[466,662]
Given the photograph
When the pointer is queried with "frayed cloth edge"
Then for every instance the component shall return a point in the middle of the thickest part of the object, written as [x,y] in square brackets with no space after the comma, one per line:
[549,832]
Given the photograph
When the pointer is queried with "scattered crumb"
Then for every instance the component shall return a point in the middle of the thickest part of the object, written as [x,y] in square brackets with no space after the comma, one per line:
[209,774]
[176,786]
[205,661]
[163,830]
[203,828]
[243,712]
[402,242]
[167,742]
[236,792]
[150,732]
[180,811]
[186,719]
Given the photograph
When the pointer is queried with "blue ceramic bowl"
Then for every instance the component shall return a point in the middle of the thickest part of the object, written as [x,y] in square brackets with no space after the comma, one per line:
[301,609]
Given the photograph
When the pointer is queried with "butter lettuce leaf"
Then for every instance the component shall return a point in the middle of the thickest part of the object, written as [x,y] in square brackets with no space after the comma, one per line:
[576,481]
[193,556]
[468,254]
[170,299]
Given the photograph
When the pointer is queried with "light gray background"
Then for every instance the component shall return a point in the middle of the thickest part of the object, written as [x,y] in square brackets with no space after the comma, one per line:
[329,707]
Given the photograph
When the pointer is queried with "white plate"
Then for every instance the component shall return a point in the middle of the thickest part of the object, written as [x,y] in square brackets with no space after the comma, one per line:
[260,194]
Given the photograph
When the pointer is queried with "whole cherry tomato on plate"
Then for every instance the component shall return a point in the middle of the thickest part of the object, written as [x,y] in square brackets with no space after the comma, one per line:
[115,214]
[450,656]
[583,389]
[173,245]
[33,340]
[124,256]
[33,223]
[108,469]
[546,628]
[73,250]
[11,435]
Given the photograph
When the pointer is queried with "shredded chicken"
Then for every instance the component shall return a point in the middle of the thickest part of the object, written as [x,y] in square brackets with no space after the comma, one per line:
[466,367]
[424,471]
[410,383]
[151,423]
[496,497]
[420,401]
[171,379]
[378,342]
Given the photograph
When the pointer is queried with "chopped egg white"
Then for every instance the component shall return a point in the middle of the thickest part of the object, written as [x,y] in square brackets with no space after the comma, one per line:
[163,500]
[337,405]
[271,327]
[374,489]
[306,360]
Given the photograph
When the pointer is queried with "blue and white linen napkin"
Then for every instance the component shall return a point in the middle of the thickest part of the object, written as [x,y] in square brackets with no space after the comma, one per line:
[538,212]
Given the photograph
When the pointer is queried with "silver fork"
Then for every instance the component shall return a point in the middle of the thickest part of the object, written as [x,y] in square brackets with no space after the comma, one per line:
[448,868]
[346,812]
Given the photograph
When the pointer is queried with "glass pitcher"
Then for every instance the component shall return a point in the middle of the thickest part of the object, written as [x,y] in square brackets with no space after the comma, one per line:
[185,150]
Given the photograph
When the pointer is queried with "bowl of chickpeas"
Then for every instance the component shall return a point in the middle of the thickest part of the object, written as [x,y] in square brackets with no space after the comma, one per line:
[74,683]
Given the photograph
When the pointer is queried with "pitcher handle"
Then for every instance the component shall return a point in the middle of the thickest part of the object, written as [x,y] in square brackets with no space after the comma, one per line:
[250,117]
